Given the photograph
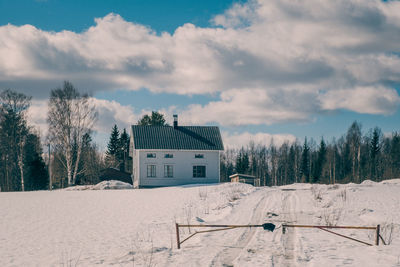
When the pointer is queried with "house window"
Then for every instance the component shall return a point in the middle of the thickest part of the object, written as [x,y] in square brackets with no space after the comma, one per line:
[168,171]
[199,156]
[151,155]
[199,171]
[151,170]
[168,156]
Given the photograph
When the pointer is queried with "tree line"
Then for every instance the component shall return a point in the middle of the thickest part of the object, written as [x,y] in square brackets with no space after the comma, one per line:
[73,158]
[354,157]
[22,166]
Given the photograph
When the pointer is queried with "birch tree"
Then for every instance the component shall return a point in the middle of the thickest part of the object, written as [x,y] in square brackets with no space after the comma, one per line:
[71,116]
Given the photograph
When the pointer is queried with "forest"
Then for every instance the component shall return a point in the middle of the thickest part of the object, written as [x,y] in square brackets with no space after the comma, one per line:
[67,155]
[353,157]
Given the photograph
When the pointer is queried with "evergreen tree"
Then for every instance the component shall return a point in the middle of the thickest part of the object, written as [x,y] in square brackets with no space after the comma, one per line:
[242,161]
[321,159]
[155,119]
[113,148]
[36,174]
[375,147]
[13,132]
[305,162]
[291,164]
[124,150]
[394,156]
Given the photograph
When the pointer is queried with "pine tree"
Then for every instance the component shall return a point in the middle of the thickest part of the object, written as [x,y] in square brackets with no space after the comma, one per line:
[113,148]
[374,152]
[36,174]
[124,150]
[155,119]
[13,132]
[242,161]
[394,156]
[321,159]
[305,162]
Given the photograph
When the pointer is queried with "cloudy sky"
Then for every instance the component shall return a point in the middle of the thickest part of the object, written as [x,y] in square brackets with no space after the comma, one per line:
[259,69]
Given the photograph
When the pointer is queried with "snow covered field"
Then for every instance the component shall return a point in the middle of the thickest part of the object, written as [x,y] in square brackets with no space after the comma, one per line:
[136,227]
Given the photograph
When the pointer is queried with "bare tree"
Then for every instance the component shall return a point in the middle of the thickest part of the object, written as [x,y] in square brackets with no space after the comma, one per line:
[71,116]
[353,138]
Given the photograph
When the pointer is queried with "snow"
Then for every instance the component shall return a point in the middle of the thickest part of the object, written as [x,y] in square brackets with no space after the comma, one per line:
[105,185]
[89,226]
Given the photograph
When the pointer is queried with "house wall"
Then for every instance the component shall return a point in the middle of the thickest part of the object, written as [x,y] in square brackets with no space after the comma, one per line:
[135,168]
[182,162]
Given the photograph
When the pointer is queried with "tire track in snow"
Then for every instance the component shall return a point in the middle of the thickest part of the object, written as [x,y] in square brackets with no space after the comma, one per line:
[285,255]
[227,256]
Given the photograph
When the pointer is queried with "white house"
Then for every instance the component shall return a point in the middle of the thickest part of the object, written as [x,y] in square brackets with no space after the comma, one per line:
[175,155]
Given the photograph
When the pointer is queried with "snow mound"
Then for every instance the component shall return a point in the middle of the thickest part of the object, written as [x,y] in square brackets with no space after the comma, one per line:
[392,181]
[105,185]
[78,188]
[368,183]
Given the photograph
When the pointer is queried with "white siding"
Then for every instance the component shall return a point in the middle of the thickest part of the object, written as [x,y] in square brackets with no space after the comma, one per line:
[183,162]
[135,167]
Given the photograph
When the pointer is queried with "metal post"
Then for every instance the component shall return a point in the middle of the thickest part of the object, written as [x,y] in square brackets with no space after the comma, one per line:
[49,170]
[178,242]
[378,228]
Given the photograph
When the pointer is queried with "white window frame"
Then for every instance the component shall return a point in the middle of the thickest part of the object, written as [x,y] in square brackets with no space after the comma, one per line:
[151,170]
[151,155]
[196,172]
[168,171]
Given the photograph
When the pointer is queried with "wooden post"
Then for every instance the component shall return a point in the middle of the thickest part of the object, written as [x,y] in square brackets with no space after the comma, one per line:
[378,228]
[178,242]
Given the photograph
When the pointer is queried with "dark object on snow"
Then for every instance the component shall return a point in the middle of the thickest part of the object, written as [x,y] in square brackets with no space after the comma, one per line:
[114,174]
[269,226]
[271,214]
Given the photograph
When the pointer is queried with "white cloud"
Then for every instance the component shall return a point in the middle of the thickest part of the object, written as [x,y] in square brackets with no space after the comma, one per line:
[253,106]
[370,100]
[271,61]
[37,116]
[110,113]
[237,140]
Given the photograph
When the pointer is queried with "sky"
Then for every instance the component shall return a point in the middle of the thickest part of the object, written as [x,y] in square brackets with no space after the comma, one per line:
[261,70]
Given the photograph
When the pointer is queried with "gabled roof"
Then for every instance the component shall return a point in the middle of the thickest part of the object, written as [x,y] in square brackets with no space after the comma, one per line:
[179,138]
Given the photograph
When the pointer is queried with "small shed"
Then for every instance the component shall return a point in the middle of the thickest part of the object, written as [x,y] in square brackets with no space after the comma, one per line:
[244,178]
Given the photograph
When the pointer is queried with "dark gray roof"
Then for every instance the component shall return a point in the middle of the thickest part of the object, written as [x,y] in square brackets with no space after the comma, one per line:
[181,137]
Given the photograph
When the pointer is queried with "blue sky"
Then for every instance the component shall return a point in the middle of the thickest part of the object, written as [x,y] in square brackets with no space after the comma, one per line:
[259,69]
[75,15]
